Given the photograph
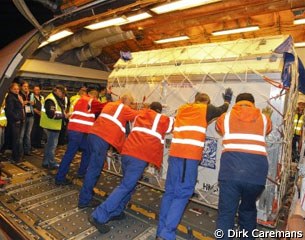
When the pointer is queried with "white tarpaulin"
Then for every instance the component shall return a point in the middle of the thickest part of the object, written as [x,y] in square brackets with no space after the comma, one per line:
[173,77]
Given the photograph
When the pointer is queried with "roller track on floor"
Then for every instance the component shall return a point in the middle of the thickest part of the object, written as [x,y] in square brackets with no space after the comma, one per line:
[33,207]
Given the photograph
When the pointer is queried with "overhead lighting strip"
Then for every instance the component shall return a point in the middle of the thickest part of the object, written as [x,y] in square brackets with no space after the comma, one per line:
[180,5]
[236,30]
[173,39]
[107,23]
[299,21]
[299,44]
[56,36]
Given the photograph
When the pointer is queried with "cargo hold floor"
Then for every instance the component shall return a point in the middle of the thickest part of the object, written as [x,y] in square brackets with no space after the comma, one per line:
[35,208]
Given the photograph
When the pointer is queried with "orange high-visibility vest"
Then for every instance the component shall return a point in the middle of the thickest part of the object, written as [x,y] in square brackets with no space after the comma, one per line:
[189,131]
[240,135]
[146,139]
[82,119]
[110,125]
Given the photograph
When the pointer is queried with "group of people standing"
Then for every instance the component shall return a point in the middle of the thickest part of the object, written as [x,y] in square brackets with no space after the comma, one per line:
[21,112]
[243,170]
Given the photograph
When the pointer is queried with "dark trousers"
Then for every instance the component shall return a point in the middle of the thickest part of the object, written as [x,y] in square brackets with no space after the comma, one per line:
[97,151]
[115,204]
[36,134]
[237,196]
[179,187]
[7,137]
[295,148]
[77,140]
[15,133]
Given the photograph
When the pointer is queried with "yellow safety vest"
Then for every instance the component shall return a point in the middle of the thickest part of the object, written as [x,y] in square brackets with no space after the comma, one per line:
[73,101]
[103,99]
[3,120]
[298,123]
[50,123]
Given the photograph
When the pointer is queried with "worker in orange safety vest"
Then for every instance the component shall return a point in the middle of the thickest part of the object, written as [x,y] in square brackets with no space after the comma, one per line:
[243,164]
[81,120]
[144,145]
[108,130]
[185,153]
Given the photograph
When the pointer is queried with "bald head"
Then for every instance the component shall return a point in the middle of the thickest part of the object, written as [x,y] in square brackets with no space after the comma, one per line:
[127,99]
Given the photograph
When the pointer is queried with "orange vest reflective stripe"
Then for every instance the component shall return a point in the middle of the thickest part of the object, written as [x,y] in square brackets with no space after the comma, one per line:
[146,139]
[244,140]
[82,119]
[110,125]
[189,132]
[114,118]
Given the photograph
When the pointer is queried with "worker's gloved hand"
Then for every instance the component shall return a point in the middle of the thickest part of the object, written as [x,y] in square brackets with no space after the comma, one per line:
[267,111]
[227,96]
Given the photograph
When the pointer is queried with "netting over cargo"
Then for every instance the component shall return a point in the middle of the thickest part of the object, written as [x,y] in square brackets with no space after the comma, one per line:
[173,77]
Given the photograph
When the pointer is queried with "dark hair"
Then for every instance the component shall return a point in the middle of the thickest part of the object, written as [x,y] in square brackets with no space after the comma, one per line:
[156,106]
[245,97]
[61,88]
[202,98]
[24,82]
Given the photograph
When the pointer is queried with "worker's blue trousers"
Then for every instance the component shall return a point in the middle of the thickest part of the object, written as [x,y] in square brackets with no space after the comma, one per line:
[133,169]
[179,187]
[77,140]
[97,150]
[241,196]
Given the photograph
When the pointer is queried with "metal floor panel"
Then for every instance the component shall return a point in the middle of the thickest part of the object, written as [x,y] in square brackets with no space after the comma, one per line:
[43,210]
[54,208]
[199,218]
[107,182]
[148,198]
[130,228]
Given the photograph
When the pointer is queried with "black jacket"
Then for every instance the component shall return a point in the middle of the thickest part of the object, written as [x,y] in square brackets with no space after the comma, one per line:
[13,108]
[27,97]
[51,108]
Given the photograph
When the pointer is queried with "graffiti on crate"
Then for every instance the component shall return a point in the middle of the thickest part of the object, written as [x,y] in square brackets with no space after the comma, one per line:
[209,153]
[206,187]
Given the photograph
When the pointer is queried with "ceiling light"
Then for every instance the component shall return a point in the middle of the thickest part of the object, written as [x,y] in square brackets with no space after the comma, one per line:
[107,23]
[299,21]
[299,44]
[236,30]
[59,35]
[179,5]
[43,44]
[55,37]
[138,17]
[173,39]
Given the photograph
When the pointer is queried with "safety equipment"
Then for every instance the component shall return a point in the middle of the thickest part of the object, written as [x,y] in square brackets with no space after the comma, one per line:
[3,120]
[82,119]
[301,98]
[146,139]
[244,129]
[49,123]
[227,95]
[189,131]
[298,123]
[73,101]
[110,125]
